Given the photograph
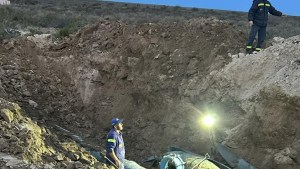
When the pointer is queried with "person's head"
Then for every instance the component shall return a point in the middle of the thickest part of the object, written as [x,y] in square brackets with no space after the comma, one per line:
[117,124]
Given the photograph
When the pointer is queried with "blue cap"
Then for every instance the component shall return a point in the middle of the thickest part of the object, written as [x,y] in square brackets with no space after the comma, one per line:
[116,121]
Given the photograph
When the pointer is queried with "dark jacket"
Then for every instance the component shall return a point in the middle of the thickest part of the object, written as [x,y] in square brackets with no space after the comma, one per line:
[115,143]
[259,11]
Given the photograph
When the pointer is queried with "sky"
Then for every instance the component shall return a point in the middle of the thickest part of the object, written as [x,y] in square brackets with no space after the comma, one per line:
[289,7]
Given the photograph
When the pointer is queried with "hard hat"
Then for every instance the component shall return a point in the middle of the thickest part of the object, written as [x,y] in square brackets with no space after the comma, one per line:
[116,121]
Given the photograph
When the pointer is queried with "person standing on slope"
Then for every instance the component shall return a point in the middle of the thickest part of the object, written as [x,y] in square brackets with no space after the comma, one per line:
[258,18]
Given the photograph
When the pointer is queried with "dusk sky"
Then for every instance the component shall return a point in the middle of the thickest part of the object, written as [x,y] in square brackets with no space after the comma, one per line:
[289,7]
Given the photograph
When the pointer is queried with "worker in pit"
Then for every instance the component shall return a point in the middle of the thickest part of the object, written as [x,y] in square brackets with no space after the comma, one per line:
[115,149]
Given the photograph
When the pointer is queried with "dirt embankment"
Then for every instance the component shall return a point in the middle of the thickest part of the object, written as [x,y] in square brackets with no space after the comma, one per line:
[268,90]
[113,69]
[159,77]
[26,144]
[137,72]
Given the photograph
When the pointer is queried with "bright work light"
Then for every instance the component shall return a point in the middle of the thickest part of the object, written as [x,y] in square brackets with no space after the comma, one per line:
[208,121]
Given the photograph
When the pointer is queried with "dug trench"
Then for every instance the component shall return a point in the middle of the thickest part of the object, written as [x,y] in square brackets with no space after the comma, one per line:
[159,77]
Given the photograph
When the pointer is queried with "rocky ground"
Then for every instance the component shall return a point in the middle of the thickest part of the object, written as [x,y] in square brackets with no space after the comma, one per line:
[26,144]
[161,78]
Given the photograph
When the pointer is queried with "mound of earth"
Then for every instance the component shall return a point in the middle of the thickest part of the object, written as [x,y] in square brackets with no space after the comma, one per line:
[25,144]
[267,87]
[161,78]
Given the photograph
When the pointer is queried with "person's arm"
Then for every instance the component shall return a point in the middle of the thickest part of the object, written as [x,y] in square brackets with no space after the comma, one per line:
[113,155]
[273,11]
[110,146]
[252,11]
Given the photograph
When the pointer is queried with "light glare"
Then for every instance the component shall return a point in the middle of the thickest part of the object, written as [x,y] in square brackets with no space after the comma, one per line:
[208,121]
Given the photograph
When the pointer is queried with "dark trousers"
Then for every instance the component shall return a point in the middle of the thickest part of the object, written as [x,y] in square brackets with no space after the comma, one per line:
[261,30]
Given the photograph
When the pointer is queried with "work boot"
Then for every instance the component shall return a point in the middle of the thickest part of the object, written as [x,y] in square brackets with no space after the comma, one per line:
[258,49]
[249,50]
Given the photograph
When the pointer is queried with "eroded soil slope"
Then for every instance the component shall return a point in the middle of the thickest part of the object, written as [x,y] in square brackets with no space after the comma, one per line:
[112,69]
[135,72]
[27,144]
[160,78]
